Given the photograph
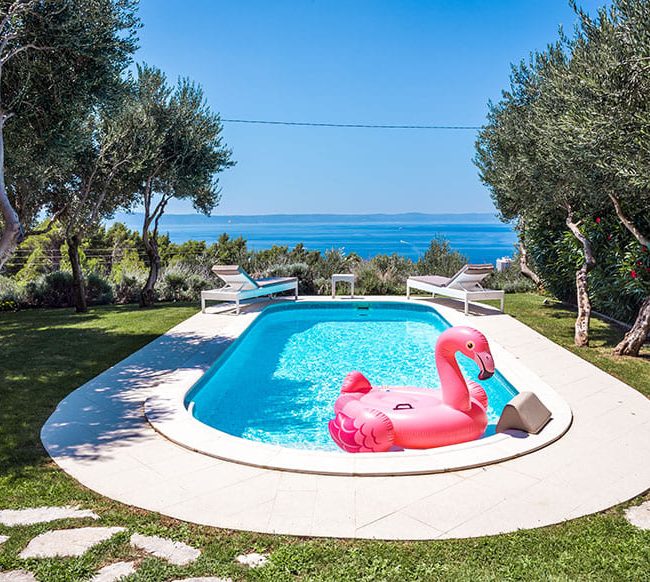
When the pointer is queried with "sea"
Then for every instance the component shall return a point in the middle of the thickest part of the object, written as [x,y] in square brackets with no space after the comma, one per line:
[480,237]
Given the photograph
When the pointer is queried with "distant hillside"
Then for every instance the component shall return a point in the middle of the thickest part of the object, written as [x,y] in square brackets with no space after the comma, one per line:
[406,218]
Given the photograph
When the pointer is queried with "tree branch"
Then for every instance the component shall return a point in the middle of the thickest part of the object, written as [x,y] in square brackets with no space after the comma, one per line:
[627,223]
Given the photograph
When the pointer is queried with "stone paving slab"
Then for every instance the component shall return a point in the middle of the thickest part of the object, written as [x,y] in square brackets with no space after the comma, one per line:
[3,539]
[639,516]
[176,553]
[67,542]
[114,572]
[17,576]
[252,560]
[32,515]
[203,579]
[99,436]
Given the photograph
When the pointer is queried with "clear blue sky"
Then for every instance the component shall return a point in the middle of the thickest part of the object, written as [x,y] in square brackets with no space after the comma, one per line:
[392,62]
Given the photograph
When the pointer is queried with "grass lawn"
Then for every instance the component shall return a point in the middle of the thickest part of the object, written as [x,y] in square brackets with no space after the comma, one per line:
[45,354]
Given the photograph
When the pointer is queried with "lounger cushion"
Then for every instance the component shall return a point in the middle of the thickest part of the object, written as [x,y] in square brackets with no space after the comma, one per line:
[275,281]
[435,280]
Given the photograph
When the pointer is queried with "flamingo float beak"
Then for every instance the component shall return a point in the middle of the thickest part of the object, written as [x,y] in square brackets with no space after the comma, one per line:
[485,363]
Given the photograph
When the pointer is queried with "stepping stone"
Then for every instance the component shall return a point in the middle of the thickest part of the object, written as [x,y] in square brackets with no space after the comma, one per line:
[114,572]
[17,576]
[31,515]
[3,539]
[253,560]
[176,553]
[203,579]
[639,515]
[67,542]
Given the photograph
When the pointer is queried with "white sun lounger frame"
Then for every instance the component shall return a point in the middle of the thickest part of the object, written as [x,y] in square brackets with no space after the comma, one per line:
[461,286]
[240,286]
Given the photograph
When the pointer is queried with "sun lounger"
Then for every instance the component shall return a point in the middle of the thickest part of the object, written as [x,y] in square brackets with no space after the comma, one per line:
[239,285]
[464,285]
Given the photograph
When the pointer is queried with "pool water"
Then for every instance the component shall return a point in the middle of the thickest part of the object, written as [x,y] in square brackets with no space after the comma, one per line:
[278,382]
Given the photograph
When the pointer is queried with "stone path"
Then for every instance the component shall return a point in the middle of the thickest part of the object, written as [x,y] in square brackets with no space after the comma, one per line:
[114,572]
[32,515]
[17,576]
[639,516]
[75,542]
[176,553]
[67,542]
[253,560]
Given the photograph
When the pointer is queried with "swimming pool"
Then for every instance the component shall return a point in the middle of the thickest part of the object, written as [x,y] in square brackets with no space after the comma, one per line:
[278,382]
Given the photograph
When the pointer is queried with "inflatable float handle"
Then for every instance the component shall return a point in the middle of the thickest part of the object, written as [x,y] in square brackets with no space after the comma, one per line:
[403,406]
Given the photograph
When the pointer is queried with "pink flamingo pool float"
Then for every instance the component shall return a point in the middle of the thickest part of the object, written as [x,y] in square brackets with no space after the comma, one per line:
[371,419]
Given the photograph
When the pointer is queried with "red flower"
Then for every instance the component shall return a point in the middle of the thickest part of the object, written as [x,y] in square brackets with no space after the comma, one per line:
[633,274]
[609,237]
[639,263]
[644,249]
[598,219]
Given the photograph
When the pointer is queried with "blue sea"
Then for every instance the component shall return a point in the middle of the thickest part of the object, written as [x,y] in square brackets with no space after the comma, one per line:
[480,237]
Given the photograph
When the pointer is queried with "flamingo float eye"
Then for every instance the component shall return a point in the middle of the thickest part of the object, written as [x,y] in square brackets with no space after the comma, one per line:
[470,345]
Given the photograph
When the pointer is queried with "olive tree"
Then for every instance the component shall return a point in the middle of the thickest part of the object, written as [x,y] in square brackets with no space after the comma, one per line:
[180,156]
[57,59]
[516,157]
[101,182]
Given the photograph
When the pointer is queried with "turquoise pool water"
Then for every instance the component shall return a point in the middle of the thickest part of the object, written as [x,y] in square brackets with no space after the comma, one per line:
[278,382]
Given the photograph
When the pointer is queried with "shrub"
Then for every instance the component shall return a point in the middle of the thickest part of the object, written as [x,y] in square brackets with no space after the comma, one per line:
[511,281]
[384,275]
[51,290]
[181,282]
[300,270]
[439,259]
[12,294]
[127,288]
[99,291]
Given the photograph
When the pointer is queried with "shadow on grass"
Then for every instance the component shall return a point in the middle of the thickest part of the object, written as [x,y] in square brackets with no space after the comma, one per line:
[46,354]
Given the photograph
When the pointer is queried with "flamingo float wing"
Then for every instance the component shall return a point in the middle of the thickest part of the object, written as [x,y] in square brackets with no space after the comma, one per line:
[371,431]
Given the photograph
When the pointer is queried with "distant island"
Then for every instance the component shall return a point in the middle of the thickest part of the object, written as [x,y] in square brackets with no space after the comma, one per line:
[385,218]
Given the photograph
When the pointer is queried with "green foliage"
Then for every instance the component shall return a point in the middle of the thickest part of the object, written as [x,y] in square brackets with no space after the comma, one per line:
[51,290]
[181,282]
[440,259]
[12,294]
[568,140]
[82,48]
[511,281]
[99,291]
[384,275]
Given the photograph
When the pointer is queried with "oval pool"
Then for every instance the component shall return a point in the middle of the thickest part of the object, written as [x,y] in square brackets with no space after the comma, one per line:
[277,383]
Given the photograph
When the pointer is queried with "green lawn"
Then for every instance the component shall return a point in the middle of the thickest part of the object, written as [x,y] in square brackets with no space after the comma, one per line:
[47,353]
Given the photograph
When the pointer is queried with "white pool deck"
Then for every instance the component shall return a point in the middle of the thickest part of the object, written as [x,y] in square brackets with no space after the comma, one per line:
[100,436]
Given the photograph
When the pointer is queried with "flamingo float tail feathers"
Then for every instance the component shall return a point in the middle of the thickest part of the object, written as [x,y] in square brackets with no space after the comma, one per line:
[371,431]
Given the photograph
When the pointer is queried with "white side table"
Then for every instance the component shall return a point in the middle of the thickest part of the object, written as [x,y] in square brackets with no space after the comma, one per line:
[346,278]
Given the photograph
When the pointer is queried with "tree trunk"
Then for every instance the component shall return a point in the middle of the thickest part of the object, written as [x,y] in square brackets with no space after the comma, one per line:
[13,232]
[525,268]
[148,294]
[78,286]
[636,337]
[581,336]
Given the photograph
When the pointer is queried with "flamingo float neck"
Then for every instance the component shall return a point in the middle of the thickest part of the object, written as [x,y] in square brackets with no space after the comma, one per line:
[452,382]
[471,343]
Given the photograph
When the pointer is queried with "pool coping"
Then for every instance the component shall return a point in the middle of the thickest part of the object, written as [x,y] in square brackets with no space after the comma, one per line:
[168,415]
[99,436]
